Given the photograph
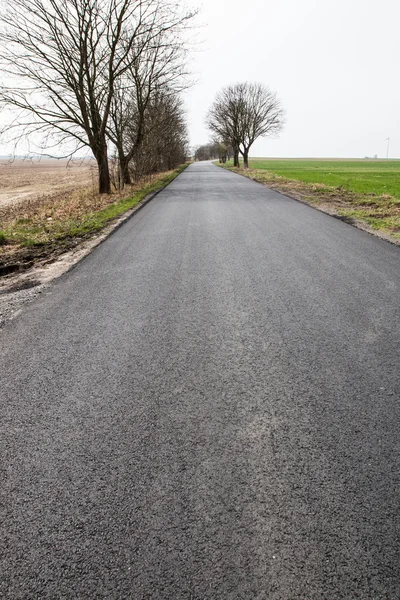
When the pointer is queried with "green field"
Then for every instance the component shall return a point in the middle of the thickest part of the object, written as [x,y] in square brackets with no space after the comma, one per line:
[360,176]
[362,191]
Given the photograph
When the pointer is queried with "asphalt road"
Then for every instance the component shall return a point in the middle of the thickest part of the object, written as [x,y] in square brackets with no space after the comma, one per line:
[207,407]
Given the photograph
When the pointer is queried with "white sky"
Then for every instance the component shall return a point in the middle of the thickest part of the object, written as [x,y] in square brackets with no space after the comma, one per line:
[335,64]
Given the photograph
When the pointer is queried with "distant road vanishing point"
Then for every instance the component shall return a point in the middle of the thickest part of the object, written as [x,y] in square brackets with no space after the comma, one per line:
[207,407]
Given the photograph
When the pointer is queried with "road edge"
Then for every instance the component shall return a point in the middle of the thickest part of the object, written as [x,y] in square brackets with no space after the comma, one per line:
[20,289]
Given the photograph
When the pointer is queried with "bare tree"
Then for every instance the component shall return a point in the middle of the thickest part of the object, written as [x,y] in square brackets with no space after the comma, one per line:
[224,150]
[208,151]
[156,62]
[223,120]
[165,140]
[244,112]
[64,60]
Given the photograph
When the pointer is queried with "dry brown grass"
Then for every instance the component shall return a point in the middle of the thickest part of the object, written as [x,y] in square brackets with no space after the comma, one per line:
[52,190]
[64,205]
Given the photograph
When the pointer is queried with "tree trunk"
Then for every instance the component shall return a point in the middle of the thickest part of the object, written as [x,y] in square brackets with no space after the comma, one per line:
[125,176]
[104,171]
[246,158]
[236,162]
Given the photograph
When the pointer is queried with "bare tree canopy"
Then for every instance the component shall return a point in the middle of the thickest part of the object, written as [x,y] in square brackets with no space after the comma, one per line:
[165,143]
[206,151]
[243,112]
[65,60]
[155,65]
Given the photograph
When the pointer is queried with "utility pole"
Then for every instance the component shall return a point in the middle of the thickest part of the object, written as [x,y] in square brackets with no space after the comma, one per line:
[387,150]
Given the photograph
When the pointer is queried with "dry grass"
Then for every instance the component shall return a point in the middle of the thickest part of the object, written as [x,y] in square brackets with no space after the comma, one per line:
[62,206]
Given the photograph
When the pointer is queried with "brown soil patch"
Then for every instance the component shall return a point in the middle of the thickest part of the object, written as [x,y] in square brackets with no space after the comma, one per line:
[28,180]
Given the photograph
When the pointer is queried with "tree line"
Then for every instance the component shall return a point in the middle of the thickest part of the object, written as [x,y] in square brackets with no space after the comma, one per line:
[95,72]
[213,150]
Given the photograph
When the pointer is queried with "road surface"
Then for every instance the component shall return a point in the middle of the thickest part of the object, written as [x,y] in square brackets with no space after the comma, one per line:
[207,407]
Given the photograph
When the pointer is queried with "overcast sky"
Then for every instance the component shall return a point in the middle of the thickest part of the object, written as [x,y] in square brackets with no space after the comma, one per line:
[335,64]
